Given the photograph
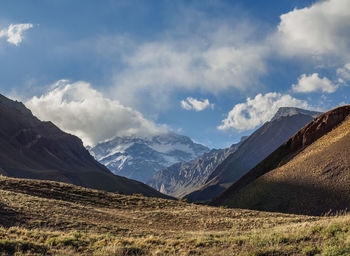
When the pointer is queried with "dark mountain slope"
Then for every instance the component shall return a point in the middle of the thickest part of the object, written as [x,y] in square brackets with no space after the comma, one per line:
[33,149]
[256,147]
[309,174]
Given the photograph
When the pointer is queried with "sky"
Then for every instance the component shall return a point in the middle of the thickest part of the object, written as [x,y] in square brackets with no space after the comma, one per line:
[213,70]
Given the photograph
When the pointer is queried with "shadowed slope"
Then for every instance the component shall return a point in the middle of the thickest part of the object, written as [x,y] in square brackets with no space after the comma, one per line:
[33,149]
[309,174]
[253,150]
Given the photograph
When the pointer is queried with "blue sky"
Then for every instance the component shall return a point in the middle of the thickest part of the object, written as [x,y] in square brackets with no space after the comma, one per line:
[211,70]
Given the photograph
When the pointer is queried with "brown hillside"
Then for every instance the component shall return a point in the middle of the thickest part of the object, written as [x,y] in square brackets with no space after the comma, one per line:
[309,174]
[52,218]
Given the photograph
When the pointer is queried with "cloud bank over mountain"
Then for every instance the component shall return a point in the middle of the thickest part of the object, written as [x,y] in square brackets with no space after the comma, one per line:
[81,110]
[258,110]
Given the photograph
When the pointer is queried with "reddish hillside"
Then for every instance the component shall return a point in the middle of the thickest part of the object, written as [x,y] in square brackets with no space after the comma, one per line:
[309,174]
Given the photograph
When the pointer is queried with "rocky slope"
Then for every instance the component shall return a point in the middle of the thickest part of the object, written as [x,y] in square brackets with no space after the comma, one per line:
[139,158]
[255,148]
[33,149]
[309,174]
[182,178]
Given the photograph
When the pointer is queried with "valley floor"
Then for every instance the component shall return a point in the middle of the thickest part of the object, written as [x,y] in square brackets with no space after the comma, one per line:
[50,218]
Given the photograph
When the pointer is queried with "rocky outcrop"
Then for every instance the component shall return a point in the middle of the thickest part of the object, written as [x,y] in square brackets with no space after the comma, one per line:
[319,127]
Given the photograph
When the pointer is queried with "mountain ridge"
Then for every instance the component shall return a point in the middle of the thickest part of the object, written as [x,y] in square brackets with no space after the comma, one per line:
[255,148]
[312,141]
[182,178]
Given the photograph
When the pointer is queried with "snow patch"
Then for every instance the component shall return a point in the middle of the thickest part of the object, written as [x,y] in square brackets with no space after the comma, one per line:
[117,149]
[119,162]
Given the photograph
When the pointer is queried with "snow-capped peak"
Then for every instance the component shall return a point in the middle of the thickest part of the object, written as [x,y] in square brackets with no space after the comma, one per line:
[140,157]
[291,111]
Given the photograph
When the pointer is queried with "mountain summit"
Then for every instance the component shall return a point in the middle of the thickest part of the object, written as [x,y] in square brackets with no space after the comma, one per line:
[139,158]
[291,111]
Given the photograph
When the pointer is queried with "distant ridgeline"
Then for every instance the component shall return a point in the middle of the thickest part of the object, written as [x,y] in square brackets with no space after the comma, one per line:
[182,178]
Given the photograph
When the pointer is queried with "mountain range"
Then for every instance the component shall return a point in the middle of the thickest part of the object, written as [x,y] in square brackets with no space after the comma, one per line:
[308,174]
[286,122]
[30,148]
[140,158]
[182,178]
[296,163]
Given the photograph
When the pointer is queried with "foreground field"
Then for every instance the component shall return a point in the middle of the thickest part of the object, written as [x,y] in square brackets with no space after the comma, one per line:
[48,218]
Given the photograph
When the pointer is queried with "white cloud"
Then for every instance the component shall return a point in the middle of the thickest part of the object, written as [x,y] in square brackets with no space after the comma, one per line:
[212,62]
[14,32]
[81,110]
[344,73]
[256,111]
[321,29]
[218,58]
[193,104]
[313,83]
